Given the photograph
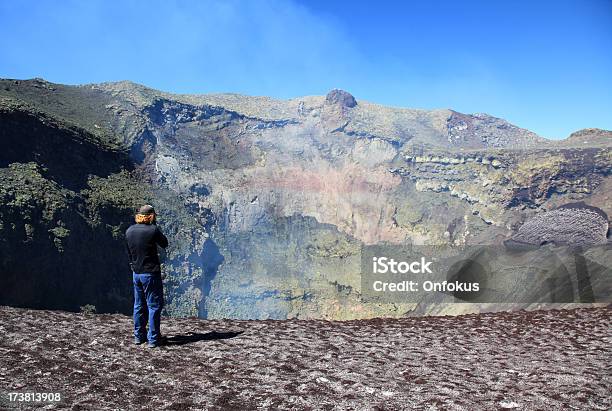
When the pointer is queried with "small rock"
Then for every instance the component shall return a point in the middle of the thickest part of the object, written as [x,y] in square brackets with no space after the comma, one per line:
[508,404]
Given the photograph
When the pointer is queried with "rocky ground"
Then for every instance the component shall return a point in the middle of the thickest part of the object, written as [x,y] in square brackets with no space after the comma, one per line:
[524,360]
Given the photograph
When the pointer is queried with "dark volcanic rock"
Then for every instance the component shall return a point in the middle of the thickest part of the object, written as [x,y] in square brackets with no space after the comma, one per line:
[526,360]
[57,189]
[574,224]
[341,97]
[70,154]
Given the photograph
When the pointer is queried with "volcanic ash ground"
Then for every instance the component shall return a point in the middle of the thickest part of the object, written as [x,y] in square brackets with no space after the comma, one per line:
[524,360]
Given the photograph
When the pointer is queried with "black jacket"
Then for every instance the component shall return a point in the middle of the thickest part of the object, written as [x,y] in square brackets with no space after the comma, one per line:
[142,241]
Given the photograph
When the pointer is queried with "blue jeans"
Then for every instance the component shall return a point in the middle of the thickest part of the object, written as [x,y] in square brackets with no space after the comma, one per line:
[148,296]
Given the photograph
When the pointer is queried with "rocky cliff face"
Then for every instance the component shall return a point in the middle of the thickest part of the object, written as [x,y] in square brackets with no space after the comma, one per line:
[268,202]
[59,229]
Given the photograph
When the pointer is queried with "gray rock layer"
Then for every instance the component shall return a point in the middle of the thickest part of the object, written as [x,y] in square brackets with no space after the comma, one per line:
[574,224]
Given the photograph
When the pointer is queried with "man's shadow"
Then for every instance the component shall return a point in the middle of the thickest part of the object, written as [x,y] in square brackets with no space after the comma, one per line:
[182,339]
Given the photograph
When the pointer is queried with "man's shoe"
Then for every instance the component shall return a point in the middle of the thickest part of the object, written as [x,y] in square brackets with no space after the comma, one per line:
[152,345]
[138,341]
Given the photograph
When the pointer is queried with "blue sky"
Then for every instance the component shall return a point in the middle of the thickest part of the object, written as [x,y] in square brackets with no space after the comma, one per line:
[543,65]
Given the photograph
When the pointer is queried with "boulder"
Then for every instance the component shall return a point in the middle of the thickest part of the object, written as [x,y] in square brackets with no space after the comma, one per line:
[340,97]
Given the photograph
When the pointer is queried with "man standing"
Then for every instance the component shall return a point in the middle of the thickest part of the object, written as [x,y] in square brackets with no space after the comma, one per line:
[142,241]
